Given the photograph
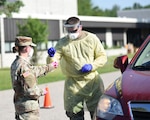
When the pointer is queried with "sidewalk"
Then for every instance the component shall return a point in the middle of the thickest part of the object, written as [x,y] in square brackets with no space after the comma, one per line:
[56,94]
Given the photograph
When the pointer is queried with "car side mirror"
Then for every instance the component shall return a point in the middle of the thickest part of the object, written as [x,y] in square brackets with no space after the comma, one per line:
[121,62]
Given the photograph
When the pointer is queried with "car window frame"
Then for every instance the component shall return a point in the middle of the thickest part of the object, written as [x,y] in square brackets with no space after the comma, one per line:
[139,54]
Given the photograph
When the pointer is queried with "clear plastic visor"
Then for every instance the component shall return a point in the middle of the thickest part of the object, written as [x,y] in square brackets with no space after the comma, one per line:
[71,28]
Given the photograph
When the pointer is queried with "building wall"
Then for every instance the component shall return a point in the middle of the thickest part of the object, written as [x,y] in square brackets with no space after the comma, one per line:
[54,26]
[9,57]
[110,30]
[101,27]
[140,14]
[11,29]
[53,7]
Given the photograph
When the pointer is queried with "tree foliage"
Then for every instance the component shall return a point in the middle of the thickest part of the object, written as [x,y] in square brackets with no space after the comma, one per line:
[35,29]
[8,8]
[2,2]
[137,6]
[112,12]
[147,6]
[85,7]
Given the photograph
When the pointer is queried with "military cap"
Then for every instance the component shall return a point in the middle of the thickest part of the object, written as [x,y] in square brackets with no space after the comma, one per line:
[24,41]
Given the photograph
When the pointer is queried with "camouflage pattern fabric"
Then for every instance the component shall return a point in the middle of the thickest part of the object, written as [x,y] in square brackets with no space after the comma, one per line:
[32,115]
[24,82]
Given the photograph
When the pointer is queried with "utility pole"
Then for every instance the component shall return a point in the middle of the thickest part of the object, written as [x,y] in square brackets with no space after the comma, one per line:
[2,40]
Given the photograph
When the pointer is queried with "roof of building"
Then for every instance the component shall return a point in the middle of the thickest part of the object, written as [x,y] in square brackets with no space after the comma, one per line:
[140,14]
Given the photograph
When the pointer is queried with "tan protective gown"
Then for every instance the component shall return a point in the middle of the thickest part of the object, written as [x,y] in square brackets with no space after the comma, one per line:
[79,87]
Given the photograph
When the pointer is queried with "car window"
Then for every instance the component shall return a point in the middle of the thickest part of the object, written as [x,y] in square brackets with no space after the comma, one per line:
[143,61]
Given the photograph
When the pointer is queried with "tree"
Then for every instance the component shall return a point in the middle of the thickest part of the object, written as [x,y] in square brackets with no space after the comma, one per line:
[37,30]
[2,2]
[96,11]
[8,8]
[137,6]
[84,7]
[147,6]
[112,12]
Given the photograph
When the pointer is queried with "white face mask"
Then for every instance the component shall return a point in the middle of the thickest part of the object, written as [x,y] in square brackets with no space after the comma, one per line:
[73,36]
[31,53]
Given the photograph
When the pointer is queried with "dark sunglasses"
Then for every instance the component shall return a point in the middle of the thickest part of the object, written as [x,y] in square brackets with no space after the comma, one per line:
[73,31]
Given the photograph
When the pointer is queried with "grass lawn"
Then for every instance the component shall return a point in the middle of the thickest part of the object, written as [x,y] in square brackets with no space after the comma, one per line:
[5,81]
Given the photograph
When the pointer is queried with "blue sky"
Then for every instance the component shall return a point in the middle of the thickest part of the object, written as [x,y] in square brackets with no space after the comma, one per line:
[103,4]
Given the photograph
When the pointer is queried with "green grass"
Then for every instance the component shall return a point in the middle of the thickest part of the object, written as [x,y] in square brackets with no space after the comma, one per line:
[5,79]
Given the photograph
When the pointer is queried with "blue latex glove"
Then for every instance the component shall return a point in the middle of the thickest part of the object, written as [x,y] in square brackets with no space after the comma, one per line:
[86,68]
[51,51]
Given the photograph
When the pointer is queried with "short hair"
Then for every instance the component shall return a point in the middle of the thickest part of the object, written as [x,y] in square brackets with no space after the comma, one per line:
[72,21]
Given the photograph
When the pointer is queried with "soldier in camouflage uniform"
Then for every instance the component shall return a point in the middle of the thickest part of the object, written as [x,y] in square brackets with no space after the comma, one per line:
[24,80]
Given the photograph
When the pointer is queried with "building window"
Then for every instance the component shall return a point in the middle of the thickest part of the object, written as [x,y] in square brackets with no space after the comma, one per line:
[117,43]
[41,46]
[9,46]
[51,44]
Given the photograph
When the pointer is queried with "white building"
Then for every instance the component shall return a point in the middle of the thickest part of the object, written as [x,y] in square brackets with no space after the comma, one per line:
[52,7]
[112,31]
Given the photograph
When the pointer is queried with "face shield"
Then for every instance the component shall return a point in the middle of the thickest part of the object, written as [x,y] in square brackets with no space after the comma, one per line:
[72,30]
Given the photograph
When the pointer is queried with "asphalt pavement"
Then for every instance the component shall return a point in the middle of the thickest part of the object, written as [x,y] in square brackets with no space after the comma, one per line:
[57,111]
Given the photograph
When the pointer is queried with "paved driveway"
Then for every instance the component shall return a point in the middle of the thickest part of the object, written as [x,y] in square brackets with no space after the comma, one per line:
[56,96]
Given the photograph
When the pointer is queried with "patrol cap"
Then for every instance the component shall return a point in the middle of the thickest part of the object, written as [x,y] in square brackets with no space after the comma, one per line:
[24,41]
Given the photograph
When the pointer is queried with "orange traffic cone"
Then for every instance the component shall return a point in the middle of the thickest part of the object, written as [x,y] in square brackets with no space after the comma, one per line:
[47,99]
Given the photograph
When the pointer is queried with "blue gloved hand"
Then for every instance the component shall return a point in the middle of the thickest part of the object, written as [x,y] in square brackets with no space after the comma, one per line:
[86,68]
[51,51]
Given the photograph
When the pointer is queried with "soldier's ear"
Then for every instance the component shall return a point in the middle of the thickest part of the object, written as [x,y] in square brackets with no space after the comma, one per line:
[80,27]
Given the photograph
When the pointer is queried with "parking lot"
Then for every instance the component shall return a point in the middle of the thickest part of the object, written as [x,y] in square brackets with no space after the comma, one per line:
[56,97]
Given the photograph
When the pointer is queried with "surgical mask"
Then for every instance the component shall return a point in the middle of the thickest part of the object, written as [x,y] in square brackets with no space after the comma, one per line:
[73,36]
[31,53]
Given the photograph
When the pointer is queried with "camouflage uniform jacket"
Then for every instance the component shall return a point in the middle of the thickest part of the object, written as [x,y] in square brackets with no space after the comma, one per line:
[24,82]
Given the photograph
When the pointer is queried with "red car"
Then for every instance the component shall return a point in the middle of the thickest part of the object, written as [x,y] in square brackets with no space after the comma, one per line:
[128,98]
